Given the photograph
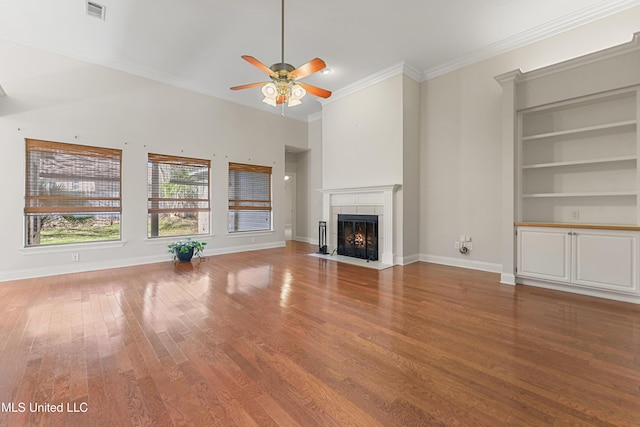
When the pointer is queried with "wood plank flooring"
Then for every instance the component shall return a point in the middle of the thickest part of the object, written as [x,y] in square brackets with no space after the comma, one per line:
[277,337]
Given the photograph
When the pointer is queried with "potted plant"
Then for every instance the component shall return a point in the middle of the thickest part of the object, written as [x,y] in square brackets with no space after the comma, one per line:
[184,250]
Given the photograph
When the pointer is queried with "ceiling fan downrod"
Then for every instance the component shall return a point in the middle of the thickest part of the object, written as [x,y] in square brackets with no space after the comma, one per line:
[284,85]
[282,32]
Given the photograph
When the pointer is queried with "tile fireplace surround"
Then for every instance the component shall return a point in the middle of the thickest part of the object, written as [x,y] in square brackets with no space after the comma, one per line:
[376,200]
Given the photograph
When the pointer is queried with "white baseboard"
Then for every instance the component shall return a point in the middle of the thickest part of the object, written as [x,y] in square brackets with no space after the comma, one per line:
[81,267]
[245,248]
[103,265]
[305,239]
[508,279]
[463,263]
[635,299]
[410,259]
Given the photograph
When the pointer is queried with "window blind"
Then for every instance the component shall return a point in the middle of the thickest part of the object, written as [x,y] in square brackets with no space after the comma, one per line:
[71,179]
[249,197]
[177,184]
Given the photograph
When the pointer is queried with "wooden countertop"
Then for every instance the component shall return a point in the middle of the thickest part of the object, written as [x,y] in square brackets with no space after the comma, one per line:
[587,226]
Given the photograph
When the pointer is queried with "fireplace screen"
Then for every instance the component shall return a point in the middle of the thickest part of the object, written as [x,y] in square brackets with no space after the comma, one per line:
[358,236]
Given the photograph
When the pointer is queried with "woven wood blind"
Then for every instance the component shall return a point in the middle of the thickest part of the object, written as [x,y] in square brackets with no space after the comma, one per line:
[177,184]
[249,168]
[65,179]
[249,197]
[249,187]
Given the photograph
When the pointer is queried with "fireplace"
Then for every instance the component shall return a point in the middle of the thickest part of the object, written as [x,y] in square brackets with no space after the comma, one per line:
[377,200]
[358,236]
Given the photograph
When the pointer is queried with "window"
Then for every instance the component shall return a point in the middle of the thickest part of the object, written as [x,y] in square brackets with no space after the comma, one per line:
[72,193]
[249,197]
[178,195]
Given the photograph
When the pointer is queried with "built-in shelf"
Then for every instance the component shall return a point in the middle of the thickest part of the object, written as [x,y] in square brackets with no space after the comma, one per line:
[607,126]
[579,158]
[587,194]
[571,176]
[580,162]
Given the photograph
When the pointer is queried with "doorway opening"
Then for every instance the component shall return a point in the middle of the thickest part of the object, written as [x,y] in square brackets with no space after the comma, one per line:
[290,210]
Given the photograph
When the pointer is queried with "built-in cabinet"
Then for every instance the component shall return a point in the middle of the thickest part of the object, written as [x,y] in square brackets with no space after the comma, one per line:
[571,175]
[597,259]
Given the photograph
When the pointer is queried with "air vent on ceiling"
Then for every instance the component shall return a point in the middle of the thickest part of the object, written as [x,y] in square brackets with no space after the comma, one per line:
[96,10]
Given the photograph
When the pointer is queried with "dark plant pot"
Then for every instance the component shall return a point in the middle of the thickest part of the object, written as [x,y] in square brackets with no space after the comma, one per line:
[185,256]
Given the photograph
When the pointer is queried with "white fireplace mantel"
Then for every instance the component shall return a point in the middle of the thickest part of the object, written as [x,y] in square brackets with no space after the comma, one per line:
[382,195]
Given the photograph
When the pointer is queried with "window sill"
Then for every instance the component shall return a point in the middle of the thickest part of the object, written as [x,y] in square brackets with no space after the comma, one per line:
[71,247]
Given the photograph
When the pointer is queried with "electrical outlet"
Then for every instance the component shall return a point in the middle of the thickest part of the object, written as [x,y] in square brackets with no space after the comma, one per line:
[75,257]
[457,245]
[575,214]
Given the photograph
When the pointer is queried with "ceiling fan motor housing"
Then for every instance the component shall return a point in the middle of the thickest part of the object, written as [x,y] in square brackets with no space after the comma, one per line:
[282,69]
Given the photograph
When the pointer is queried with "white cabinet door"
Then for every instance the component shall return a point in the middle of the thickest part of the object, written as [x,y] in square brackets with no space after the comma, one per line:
[605,259]
[544,253]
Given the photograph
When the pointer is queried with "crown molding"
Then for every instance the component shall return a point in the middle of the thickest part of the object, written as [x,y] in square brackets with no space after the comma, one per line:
[394,70]
[314,117]
[552,28]
[622,49]
[412,72]
[511,76]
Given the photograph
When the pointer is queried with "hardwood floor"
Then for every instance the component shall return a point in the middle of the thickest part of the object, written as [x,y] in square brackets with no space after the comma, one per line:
[277,337]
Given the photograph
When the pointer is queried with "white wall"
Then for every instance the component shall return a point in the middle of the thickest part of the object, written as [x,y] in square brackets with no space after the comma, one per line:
[309,176]
[290,162]
[371,138]
[460,148]
[410,171]
[54,98]
[362,137]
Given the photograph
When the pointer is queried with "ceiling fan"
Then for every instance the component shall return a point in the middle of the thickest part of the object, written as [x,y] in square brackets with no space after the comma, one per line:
[284,85]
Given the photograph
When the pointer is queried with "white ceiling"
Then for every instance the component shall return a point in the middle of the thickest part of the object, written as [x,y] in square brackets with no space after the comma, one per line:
[197,44]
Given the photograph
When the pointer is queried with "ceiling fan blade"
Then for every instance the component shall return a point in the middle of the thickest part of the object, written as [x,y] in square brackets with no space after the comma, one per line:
[309,68]
[248,86]
[313,90]
[253,61]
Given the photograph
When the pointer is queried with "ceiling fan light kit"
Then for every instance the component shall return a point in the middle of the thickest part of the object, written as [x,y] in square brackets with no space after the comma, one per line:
[284,86]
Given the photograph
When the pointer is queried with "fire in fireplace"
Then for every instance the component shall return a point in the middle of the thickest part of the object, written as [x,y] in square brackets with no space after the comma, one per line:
[358,236]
